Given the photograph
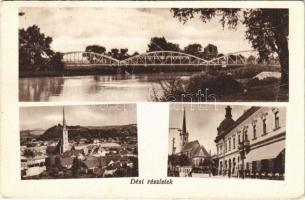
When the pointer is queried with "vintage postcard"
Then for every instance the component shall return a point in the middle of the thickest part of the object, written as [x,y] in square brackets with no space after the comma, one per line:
[152,99]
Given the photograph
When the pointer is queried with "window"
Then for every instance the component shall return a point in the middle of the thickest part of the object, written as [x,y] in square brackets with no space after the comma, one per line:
[276,120]
[254,131]
[229,144]
[246,135]
[234,142]
[263,117]
[225,146]
[264,127]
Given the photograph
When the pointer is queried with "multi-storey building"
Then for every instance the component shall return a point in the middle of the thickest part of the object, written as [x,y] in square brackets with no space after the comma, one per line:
[253,145]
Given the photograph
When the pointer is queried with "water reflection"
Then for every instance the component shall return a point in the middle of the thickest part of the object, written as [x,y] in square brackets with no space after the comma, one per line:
[92,88]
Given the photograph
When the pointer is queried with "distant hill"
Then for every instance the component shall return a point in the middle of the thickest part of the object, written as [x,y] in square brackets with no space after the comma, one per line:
[90,132]
[31,133]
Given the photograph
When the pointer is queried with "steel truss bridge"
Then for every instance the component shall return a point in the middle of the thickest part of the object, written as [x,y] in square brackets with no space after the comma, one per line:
[160,58]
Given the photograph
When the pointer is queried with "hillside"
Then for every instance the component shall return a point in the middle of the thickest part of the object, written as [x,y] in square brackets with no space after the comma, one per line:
[31,133]
[91,132]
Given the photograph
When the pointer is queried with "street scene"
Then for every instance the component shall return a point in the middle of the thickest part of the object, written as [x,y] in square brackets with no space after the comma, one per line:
[153,54]
[219,141]
[96,141]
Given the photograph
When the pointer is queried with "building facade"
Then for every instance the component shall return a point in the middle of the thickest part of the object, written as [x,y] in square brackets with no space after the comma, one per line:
[253,146]
[33,166]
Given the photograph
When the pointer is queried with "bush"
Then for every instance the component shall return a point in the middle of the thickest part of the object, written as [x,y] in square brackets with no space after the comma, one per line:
[218,85]
[206,83]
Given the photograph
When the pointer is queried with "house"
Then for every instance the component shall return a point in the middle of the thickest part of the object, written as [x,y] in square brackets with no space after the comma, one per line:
[32,166]
[91,164]
[65,162]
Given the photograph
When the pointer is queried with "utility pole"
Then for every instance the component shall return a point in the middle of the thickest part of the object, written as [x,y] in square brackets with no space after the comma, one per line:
[174,148]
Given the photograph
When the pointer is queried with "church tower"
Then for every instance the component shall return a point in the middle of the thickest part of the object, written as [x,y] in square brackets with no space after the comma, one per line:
[184,134]
[64,138]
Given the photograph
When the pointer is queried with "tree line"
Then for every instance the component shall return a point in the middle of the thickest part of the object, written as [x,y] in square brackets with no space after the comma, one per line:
[159,44]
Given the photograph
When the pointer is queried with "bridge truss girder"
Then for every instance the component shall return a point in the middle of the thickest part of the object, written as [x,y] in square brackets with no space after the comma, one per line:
[160,58]
[80,58]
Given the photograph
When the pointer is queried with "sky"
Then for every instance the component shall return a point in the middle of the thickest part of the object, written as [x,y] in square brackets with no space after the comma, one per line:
[201,123]
[72,29]
[44,117]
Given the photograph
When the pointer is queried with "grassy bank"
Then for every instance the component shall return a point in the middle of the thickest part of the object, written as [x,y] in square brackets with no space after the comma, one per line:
[224,85]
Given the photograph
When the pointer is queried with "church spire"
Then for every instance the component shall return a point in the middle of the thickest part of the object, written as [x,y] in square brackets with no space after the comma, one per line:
[183,133]
[63,117]
[64,137]
[184,122]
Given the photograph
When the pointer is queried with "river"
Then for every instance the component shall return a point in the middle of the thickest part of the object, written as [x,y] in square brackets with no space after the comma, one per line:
[98,88]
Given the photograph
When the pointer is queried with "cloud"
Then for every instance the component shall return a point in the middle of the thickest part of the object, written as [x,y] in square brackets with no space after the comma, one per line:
[75,28]
[94,115]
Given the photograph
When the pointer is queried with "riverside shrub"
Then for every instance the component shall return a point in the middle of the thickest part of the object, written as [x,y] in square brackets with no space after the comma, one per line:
[216,84]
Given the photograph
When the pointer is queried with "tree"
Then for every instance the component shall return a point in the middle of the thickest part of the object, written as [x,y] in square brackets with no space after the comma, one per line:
[135,54]
[173,160]
[266,29]
[76,167]
[193,49]
[35,51]
[34,48]
[161,44]
[123,54]
[56,61]
[114,53]
[28,153]
[210,52]
[184,160]
[96,49]
[251,59]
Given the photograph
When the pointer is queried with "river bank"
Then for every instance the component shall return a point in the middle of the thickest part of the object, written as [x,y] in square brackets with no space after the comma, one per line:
[32,74]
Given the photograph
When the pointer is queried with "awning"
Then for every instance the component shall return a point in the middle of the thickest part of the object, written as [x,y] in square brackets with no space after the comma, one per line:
[269,151]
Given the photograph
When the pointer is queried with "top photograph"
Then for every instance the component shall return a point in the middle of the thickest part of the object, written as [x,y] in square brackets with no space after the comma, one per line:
[105,54]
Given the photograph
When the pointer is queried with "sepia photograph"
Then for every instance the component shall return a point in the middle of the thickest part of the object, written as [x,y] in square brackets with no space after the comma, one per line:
[61,142]
[152,99]
[153,54]
[218,141]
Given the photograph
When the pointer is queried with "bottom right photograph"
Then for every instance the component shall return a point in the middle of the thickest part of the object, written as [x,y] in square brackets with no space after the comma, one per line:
[226,141]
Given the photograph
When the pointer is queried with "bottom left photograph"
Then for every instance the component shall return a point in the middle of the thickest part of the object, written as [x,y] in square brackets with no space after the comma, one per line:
[78,141]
